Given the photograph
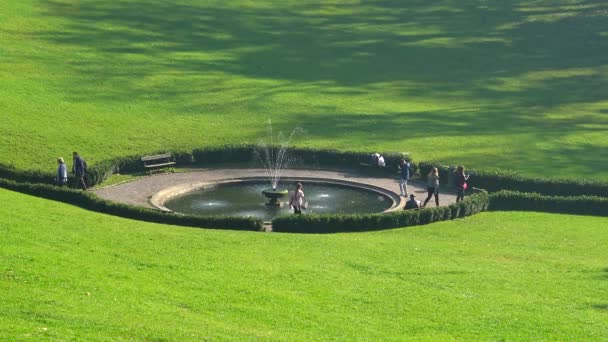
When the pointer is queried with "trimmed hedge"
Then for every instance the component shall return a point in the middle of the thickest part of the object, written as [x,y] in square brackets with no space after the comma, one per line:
[101,171]
[210,156]
[224,154]
[299,157]
[90,201]
[314,223]
[493,181]
[9,172]
[584,197]
[579,205]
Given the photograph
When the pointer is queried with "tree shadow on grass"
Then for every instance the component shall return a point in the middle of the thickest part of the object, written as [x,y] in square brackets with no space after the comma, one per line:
[601,307]
[513,61]
[407,130]
[445,49]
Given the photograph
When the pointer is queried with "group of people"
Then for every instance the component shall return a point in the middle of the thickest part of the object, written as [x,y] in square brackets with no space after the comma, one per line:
[79,168]
[297,202]
[432,183]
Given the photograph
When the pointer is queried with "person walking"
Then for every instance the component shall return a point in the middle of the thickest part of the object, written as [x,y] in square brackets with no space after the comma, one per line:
[62,172]
[79,168]
[432,186]
[297,199]
[405,172]
[460,181]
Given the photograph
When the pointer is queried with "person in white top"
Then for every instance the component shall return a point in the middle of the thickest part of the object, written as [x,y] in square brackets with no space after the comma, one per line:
[381,162]
[297,200]
[62,172]
[432,182]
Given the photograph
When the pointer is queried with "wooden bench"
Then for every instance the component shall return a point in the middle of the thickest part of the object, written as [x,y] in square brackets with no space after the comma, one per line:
[158,161]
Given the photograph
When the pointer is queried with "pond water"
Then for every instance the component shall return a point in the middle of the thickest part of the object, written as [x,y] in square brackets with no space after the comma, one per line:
[246,199]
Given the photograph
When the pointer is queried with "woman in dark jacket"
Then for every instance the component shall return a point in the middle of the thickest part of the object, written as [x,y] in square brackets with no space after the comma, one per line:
[460,181]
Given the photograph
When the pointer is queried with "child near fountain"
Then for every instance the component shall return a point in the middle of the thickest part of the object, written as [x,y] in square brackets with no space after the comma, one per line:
[297,200]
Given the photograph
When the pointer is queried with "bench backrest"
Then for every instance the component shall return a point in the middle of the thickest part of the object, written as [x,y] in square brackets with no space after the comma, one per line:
[156,157]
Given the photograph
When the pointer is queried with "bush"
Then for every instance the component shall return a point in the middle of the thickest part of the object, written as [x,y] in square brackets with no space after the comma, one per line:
[9,172]
[493,181]
[90,201]
[215,155]
[335,223]
[579,205]
[103,170]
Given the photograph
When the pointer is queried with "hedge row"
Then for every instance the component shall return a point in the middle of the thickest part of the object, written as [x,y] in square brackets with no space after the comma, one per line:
[316,158]
[579,205]
[298,157]
[90,201]
[211,156]
[493,181]
[9,172]
[366,222]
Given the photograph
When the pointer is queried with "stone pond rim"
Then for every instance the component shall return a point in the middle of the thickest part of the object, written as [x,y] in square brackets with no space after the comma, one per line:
[158,199]
[153,191]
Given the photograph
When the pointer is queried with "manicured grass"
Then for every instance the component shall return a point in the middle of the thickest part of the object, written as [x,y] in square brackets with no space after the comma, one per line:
[66,273]
[513,85]
[507,84]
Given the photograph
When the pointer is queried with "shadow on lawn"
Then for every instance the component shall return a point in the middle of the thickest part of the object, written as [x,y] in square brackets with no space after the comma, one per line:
[602,307]
[445,50]
[513,61]
[412,126]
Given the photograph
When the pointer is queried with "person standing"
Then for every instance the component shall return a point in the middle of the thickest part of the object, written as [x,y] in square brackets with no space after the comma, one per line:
[405,172]
[79,169]
[432,183]
[62,172]
[297,200]
[460,181]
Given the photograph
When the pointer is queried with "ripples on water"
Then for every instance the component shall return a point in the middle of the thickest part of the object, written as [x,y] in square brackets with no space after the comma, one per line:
[246,199]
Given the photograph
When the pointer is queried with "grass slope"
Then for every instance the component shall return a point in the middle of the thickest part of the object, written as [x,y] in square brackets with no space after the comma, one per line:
[508,84]
[70,274]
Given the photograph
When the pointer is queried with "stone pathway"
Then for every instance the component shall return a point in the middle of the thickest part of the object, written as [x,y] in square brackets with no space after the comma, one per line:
[138,192]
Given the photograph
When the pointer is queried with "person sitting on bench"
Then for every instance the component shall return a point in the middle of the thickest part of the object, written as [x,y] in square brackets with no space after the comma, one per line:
[377,159]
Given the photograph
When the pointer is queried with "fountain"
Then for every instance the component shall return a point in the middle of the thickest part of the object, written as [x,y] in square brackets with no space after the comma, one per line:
[274,160]
[240,196]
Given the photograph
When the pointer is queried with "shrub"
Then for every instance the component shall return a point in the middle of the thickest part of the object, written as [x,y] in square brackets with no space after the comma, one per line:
[224,154]
[580,205]
[493,181]
[9,172]
[90,201]
[315,223]
[214,155]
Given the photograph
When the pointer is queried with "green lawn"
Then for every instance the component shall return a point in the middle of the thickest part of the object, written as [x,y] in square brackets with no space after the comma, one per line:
[514,85]
[72,274]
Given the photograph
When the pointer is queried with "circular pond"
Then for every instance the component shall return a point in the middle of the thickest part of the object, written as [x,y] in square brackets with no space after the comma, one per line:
[245,199]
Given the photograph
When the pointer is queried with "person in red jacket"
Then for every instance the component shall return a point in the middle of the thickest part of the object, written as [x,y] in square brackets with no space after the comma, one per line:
[460,181]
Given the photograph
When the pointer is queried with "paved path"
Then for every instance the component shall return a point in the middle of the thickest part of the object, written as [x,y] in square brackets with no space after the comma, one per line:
[138,192]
